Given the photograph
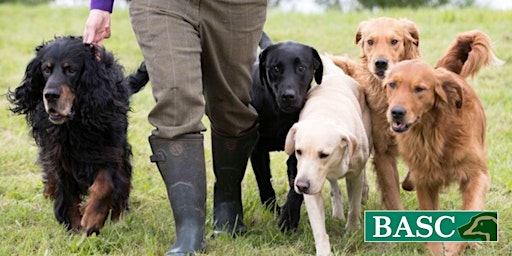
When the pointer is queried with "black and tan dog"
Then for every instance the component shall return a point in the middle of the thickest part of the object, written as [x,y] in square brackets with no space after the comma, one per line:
[76,99]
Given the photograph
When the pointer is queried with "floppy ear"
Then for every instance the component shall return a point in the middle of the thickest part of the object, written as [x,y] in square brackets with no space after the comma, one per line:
[319,67]
[347,143]
[289,144]
[350,144]
[359,32]
[412,41]
[29,94]
[97,85]
[263,64]
[449,89]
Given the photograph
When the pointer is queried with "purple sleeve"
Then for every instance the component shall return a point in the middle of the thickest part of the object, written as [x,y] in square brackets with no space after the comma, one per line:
[105,5]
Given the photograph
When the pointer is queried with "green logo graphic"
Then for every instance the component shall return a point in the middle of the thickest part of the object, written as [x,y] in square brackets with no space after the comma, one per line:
[430,226]
[483,226]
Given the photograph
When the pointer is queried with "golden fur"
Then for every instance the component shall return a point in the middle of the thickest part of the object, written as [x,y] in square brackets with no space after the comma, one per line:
[382,40]
[440,126]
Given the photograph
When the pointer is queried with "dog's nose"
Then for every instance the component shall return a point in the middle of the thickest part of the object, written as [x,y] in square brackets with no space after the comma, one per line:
[381,63]
[51,94]
[288,96]
[398,112]
[302,185]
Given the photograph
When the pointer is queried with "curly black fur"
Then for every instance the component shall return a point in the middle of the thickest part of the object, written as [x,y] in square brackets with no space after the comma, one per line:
[93,138]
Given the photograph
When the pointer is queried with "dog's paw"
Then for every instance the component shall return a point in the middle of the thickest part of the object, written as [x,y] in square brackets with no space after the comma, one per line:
[90,228]
[475,246]
[454,249]
[289,219]
[337,212]
[352,226]
[92,223]
[287,225]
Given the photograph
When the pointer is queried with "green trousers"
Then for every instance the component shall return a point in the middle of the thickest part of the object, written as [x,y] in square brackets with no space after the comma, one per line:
[199,55]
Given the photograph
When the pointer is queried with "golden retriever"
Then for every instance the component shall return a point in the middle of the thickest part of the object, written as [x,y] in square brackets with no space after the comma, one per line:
[384,42]
[440,125]
[330,142]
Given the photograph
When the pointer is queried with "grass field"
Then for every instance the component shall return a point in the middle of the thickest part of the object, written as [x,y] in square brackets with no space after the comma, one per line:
[27,223]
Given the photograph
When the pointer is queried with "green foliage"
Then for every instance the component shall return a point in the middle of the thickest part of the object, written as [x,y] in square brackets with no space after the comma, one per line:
[27,223]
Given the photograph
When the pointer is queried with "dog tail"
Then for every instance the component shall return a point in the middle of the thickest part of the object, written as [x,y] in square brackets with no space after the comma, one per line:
[138,80]
[330,67]
[265,41]
[468,53]
[346,64]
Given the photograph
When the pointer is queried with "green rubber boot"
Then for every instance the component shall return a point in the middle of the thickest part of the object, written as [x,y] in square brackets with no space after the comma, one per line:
[182,166]
[230,156]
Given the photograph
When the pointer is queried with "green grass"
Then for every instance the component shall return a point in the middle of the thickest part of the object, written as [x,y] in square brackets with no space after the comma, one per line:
[27,223]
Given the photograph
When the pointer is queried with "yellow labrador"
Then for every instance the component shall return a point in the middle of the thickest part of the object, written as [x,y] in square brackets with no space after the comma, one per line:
[331,141]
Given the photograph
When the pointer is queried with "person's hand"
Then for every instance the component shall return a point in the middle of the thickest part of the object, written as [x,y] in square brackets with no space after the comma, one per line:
[97,27]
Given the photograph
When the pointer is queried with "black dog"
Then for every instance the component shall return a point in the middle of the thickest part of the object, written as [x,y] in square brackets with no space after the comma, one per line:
[281,81]
[76,99]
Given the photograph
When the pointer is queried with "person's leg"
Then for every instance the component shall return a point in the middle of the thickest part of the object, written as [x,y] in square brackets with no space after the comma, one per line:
[230,32]
[167,34]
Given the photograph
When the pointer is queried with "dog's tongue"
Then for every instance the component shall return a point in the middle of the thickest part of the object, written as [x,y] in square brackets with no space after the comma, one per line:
[398,126]
[57,117]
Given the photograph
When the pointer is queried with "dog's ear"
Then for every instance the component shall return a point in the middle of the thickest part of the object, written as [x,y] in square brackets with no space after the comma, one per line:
[448,89]
[97,50]
[98,80]
[348,142]
[289,144]
[29,93]
[319,67]
[359,32]
[412,39]
[263,66]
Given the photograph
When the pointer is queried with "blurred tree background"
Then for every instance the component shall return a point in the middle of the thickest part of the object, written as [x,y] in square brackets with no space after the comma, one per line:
[28,2]
[328,4]
[370,4]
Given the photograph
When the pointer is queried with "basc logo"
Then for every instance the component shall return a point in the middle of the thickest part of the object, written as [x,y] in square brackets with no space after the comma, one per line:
[430,226]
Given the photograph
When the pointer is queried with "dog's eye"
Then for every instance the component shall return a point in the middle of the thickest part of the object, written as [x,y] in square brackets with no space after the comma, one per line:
[301,69]
[394,42]
[370,42]
[392,85]
[298,152]
[46,70]
[418,89]
[70,71]
[323,155]
[277,69]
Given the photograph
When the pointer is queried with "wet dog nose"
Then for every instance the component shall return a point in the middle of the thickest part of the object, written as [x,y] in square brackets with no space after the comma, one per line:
[381,63]
[302,185]
[398,112]
[51,94]
[288,96]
